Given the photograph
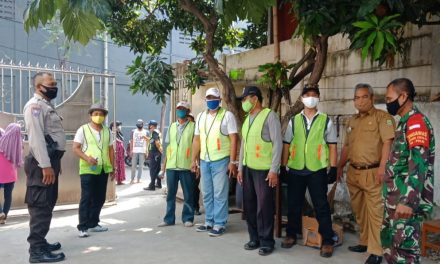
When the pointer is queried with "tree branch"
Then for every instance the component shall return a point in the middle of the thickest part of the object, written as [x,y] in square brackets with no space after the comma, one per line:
[210,26]
[418,22]
[311,53]
[302,74]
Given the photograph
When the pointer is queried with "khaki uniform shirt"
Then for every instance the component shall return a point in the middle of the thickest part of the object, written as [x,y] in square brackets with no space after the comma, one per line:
[41,119]
[366,134]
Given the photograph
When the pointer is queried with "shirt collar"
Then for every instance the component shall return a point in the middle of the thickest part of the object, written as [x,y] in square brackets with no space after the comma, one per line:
[39,97]
[413,111]
[317,113]
[182,125]
[370,112]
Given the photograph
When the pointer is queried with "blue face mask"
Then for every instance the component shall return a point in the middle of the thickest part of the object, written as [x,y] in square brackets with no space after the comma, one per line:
[213,104]
[180,113]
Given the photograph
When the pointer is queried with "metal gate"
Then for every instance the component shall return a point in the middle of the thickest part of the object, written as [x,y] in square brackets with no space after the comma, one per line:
[77,91]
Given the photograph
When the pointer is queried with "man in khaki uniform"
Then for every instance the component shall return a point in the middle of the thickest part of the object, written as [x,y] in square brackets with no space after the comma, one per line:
[367,146]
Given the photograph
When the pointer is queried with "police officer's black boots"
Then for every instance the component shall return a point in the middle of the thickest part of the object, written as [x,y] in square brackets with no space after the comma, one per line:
[43,255]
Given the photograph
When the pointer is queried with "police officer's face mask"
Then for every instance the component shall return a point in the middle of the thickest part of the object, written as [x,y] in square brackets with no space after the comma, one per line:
[49,92]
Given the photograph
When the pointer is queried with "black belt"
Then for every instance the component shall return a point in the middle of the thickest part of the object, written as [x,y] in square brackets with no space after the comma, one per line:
[365,167]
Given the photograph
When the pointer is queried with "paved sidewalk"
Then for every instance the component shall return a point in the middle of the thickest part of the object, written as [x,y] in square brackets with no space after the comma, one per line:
[134,238]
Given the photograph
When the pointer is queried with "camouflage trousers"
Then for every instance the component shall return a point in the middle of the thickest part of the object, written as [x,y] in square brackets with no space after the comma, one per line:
[401,238]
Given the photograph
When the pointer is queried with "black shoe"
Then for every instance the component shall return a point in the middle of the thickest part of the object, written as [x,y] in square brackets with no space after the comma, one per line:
[264,251]
[149,188]
[251,245]
[358,248]
[197,212]
[45,256]
[159,186]
[53,247]
[373,259]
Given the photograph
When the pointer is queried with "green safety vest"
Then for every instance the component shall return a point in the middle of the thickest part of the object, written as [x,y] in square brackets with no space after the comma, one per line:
[309,151]
[257,152]
[213,143]
[96,149]
[179,151]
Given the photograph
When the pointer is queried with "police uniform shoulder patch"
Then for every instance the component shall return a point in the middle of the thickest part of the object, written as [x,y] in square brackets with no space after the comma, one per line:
[35,110]
[389,122]
[417,132]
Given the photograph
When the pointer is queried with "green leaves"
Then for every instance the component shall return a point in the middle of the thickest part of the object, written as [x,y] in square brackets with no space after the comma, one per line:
[275,74]
[376,36]
[80,19]
[151,75]
[80,26]
[196,74]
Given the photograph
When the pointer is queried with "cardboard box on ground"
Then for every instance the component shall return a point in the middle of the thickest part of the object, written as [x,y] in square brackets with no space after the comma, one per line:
[311,236]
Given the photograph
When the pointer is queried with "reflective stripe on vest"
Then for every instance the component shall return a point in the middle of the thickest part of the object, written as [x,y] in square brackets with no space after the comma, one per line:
[309,151]
[179,152]
[257,152]
[96,149]
[213,144]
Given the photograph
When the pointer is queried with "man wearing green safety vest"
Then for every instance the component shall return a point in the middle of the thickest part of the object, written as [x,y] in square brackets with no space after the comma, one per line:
[309,149]
[93,145]
[215,144]
[178,166]
[260,156]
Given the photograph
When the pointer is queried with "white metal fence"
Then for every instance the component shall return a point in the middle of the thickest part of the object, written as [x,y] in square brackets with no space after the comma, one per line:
[16,86]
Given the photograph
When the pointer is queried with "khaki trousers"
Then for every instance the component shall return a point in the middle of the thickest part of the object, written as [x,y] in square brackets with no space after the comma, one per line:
[367,205]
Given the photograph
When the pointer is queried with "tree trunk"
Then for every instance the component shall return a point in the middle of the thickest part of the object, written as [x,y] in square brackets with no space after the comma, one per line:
[295,109]
[276,100]
[210,23]
[321,46]
[163,113]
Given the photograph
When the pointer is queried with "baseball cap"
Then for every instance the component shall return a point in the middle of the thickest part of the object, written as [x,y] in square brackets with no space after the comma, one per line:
[139,122]
[250,90]
[213,91]
[310,87]
[183,104]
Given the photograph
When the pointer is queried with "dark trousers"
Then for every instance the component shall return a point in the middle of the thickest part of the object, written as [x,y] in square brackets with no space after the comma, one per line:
[41,200]
[93,192]
[7,194]
[316,183]
[196,191]
[259,206]
[155,160]
[187,183]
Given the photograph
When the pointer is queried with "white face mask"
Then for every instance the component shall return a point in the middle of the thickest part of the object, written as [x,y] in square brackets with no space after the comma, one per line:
[310,102]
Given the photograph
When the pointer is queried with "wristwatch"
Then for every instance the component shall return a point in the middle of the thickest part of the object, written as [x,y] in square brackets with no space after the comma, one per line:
[234,162]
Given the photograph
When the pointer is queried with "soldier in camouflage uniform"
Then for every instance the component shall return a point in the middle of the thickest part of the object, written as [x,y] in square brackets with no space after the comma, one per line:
[408,186]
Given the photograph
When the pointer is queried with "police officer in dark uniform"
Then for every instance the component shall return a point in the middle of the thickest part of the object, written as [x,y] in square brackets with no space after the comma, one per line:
[154,156]
[42,166]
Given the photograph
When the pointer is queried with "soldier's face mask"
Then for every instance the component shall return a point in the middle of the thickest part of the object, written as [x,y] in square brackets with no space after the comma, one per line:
[49,92]
[394,106]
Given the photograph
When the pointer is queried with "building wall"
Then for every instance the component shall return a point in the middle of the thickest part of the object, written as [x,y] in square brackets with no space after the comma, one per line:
[345,69]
